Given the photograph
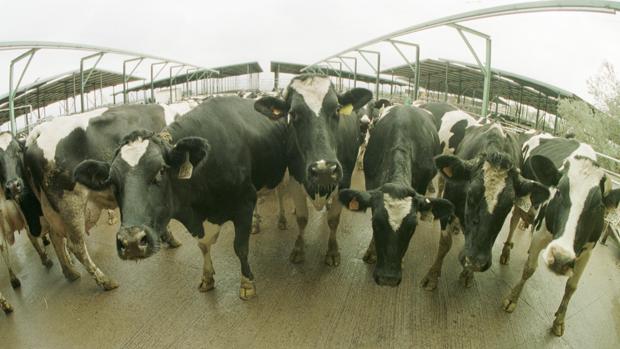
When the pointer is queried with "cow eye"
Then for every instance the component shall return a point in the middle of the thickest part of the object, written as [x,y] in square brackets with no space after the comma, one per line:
[159,176]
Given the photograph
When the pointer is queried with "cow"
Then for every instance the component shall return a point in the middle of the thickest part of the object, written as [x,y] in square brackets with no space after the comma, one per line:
[323,141]
[568,224]
[398,166]
[5,305]
[451,124]
[367,115]
[203,170]
[483,182]
[55,148]
[20,209]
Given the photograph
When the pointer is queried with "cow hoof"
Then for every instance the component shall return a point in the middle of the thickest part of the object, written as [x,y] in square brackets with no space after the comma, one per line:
[71,274]
[466,278]
[7,308]
[109,284]
[429,283]
[15,283]
[332,258]
[255,229]
[509,305]
[370,257]
[558,328]
[47,263]
[282,224]
[297,256]
[207,284]
[247,290]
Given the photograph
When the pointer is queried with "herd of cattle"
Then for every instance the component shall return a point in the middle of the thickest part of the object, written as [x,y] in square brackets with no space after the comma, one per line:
[203,164]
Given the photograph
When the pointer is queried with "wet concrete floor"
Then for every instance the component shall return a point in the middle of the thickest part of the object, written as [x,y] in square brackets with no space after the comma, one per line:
[303,306]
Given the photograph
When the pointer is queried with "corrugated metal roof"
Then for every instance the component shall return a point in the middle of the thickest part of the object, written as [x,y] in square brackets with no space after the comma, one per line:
[58,88]
[295,69]
[468,79]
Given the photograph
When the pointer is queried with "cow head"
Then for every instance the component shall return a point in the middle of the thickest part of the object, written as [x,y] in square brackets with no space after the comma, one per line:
[580,194]
[313,110]
[395,213]
[11,166]
[142,175]
[491,184]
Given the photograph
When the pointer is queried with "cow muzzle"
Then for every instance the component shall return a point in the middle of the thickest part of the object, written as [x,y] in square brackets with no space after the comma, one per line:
[14,188]
[385,277]
[324,173]
[559,260]
[135,243]
[475,264]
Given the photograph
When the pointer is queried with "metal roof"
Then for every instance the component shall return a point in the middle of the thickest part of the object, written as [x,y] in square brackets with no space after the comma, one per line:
[468,79]
[294,68]
[58,88]
[224,72]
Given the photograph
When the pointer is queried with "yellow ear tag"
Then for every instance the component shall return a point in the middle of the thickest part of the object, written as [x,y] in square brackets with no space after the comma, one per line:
[447,171]
[346,110]
[354,205]
[185,171]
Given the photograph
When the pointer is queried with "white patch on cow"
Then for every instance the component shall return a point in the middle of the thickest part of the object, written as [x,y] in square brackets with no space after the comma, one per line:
[5,140]
[497,126]
[494,183]
[418,103]
[133,152]
[583,175]
[313,90]
[584,150]
[397,209]
[448,121]
[533,143]
[383,112]
[47,135]
[172,111]
[365,119]
[321,165]
[319,202]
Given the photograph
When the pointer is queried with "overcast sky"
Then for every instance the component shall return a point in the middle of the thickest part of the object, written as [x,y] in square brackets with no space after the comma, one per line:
[563,49]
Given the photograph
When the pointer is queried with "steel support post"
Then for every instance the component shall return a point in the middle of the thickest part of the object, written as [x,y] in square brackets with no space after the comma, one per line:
[154,76]
[377,70]
[83,81]
[13,90]
[416,71]
[125,77]
[172,79]
[354,70]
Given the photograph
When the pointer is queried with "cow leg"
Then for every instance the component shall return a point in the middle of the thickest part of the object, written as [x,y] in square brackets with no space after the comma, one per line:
[212,231]
[301,213]
[4,305]
[282,223]
[40,250]
[72,211]
[4,249]
[111,217]
[441,185]
[508,244]
[256,220]
[606,231]
[243,225]
[332,258]
[170,239]
[431,279]
[571,286]
[370,257]
[540,240]
[58,242]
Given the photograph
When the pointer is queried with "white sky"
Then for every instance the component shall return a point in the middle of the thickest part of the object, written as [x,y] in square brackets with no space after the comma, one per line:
[563,49]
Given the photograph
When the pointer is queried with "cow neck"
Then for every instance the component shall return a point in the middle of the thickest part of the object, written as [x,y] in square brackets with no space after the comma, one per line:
[399,166]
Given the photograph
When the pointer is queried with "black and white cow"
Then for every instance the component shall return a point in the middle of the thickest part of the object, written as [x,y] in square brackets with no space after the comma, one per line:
[398,165]
[367,115]
[53,151]
[323,142]
[570,223]
[202,170]
[483,182]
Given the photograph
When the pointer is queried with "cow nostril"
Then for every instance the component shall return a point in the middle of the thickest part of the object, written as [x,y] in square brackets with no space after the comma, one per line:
[143,241]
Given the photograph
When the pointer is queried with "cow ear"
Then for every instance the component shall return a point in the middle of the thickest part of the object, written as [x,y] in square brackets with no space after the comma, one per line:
[382,103]
[187,153]
[612,198]
[537,191]
[453,168]
[441,208]
[355,200]
[545,171]
[93,174]
[272,107]
[353,100]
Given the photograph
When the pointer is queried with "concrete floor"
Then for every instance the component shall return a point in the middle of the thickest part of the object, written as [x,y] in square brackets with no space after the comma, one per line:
[302,306]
